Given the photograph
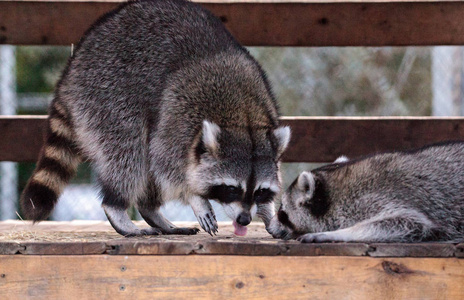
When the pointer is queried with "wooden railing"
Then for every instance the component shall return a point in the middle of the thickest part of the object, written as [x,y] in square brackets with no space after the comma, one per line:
[268,23]
[259,22]
[314,139]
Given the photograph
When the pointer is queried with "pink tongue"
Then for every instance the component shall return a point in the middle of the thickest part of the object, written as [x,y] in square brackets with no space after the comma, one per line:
[239,229]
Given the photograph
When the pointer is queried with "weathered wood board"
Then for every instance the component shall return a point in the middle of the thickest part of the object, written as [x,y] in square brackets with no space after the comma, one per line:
[22,136]
[88,260]
[97,237]
[259,22]
[219,277]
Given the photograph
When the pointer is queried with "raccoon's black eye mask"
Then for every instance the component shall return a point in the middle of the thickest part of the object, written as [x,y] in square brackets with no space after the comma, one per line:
[225,193]
[262,196]
[285,220]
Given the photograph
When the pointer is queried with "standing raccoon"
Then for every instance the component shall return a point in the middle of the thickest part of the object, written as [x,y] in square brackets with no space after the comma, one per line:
[410,196]
[166,105]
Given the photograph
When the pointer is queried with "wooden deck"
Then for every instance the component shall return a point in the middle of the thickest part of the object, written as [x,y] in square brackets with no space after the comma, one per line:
[97,237]
[87,259]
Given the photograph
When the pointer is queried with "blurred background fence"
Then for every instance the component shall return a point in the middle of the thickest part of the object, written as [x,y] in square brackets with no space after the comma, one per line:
[325,81]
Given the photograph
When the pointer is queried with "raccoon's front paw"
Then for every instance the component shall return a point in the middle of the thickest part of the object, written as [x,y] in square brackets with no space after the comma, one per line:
[208,222]
[205,214]
[314,238]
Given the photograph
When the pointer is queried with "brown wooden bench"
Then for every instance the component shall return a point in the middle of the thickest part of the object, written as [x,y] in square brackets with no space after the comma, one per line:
[56,260]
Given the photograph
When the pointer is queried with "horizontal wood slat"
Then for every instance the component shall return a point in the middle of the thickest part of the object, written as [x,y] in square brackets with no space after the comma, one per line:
[81,237]
[21,137]
[323,139]
[259,23]
[314,139]
[218,277]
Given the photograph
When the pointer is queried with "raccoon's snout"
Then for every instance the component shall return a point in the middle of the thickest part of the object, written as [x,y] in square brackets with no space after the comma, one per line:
[278,230]
[244,219]
[279,234]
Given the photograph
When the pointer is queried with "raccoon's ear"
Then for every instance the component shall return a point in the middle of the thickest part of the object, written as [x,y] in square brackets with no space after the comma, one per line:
[306,183]
[210,132]
[341,159]
[282,135]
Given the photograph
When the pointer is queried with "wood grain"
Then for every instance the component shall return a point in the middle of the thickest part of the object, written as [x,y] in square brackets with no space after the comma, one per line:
[218,277]
[314,139]
[259,23]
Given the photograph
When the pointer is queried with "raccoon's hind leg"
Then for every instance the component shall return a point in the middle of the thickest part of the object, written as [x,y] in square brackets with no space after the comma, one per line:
[148,208]
[156,220]
[404,226]
[122,178]
[116,212]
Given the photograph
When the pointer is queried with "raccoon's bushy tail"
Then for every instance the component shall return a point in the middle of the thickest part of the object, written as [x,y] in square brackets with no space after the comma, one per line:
[58,161]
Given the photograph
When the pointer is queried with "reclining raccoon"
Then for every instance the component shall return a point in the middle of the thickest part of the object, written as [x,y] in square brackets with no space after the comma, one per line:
[166,105]
[409,196]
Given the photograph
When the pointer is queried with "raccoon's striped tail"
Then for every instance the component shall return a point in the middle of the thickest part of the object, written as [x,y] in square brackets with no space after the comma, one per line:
[58,161]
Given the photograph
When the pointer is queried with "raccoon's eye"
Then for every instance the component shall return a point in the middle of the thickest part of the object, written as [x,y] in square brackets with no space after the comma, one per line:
[263,195]
[225,193]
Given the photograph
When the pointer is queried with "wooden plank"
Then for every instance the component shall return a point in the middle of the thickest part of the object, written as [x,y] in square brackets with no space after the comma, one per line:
[413,250]
[8,248]
[259,23]
[21,137]
[217,277]
[314,139]
[233,246]
[69,248]
[323,139]
[93,237]
[283,248]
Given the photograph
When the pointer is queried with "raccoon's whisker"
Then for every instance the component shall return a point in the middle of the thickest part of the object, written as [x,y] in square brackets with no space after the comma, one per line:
[19,216]
[32,202]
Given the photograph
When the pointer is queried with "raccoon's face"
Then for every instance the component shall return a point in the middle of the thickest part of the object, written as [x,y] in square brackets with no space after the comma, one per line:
[236,170]
[304,204]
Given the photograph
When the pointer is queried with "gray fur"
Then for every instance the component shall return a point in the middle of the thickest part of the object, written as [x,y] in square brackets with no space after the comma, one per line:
[147,85]
[392,197]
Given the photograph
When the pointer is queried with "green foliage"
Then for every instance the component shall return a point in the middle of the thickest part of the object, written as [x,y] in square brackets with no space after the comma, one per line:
[350,81]
[38,68]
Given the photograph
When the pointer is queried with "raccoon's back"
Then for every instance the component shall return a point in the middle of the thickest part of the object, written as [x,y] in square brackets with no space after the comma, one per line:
[127,55]
[430,177]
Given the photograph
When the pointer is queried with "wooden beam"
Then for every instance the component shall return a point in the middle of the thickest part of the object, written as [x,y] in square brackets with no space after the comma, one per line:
[323,139]
[215,277]
[258,22]
[314,139]
[21,137]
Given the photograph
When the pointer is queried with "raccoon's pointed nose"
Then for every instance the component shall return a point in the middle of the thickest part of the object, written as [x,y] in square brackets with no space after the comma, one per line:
[244,219]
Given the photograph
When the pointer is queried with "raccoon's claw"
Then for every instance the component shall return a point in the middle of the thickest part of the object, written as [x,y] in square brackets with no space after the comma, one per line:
[205,214]
[208,223]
